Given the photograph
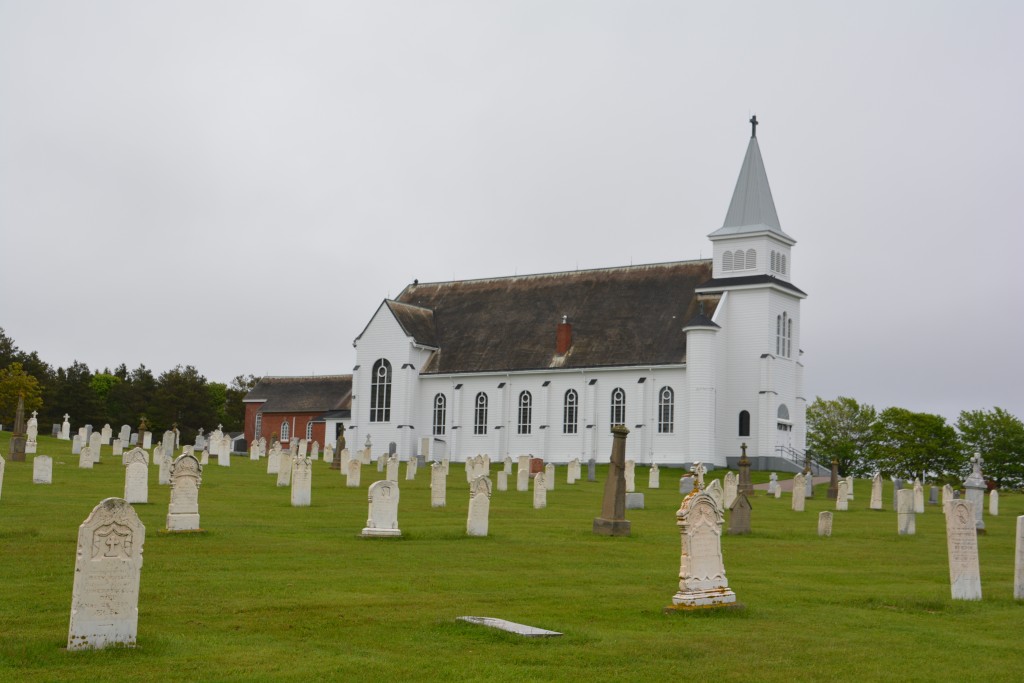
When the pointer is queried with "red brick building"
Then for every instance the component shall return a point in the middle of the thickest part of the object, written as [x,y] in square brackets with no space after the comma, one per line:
[312,408]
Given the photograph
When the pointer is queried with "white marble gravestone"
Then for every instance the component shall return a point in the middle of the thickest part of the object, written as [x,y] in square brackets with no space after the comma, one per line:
[284,472]
[549,476]
[773,483]
[224,453]
[974,488]
[730,485]
[204,457]
[163,463]
[630,471]
[654,477]
[314,451]
[825,523]
[85,459]
[105,434]
[918,497]
[136,476]
[391,468]
[1018,564]
[382,519]
[410,469]
[507,462]
[302,480]
[125,434]
[346,456]
[702,580]
[778,490]
[353,473]
[876,491]
[108,562]
[186,478]
[117,447]
[65,429]
[947,495]
[849,487]
[76,446]
[274,459]
[523,477]
[799,493]
[329,453]
[42,469]
[842,495]
[438,485]
[382,461]
[502,480]
[147,441]
[906,520]
[962,545]
[254,450]
[32,428]
[993,503]
[479,506]
[168,443]
[714,489]
[83,435]
[540,491]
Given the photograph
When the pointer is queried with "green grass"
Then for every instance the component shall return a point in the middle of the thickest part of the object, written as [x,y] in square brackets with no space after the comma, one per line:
[272,592]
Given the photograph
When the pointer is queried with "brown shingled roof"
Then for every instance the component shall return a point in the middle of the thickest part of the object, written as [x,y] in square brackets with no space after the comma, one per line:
[303,394]
[621,316]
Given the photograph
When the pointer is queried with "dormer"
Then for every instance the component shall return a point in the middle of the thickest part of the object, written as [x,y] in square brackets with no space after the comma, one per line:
[751,241]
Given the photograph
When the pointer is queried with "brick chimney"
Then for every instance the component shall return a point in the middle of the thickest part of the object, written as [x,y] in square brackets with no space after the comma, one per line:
[563,338]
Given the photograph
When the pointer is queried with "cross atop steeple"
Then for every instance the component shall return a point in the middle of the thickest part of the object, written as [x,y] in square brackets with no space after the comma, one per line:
[753,126]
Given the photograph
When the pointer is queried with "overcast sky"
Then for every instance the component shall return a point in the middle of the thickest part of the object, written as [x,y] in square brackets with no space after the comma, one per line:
[237,185]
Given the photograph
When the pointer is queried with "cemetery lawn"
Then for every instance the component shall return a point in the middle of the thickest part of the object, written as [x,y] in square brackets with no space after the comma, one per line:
[276,593]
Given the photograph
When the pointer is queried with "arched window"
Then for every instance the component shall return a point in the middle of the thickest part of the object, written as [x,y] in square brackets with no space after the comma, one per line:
[751,259]
[570,412]
[783,412]
[284,430]
[525,412]
[380,392]
[309,431]
[480,414]
[258,432]
[778,335]
[744,423]
[440,406]
[727,261]
[666,411]
[618,412]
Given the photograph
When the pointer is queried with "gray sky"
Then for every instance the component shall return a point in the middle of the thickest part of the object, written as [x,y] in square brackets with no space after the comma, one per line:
[237,185]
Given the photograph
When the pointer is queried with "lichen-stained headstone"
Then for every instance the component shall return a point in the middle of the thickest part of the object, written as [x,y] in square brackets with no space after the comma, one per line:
[702,580]
[962,546]
[540,491]
[479,506]
[105,597]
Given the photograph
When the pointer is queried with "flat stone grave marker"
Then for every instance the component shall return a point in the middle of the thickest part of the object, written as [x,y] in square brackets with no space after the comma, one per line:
[108,562]
[962,544]
[382,519]
[511,627]
[634,501]
[42,469]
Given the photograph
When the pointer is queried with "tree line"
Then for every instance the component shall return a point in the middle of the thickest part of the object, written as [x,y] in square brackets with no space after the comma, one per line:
[179,396]
[899,442]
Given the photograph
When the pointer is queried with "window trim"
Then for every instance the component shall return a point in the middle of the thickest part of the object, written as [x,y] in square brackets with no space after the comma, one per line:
[617,404]
[570,412]
[525,413]
[380,391]
[666,410]
[440,414]
[480,405]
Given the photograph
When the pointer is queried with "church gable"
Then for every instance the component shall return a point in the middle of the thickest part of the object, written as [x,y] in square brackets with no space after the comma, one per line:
[619,316]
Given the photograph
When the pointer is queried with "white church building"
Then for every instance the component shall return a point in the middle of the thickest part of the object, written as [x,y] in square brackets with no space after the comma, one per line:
[695,357]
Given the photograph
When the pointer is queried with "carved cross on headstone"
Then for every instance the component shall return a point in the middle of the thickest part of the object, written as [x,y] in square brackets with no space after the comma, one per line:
[34,413]
[753,126]
[219,426]
[66,416]
[699,471]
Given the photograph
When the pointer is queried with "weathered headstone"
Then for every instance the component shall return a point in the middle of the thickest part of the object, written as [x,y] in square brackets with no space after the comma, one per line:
[147,440]
[933,495]
[425,447]
[714,489]
[224,454]
[3,465]
[1018,563]
[702,580]
[729,488]
[630,474]
[164,466]
[136,476]
[125,434]
[778,491]
[117,447]
[849,487]
[962,545]
[76,446]
[354,473]
[993,503]
[905,517]
[897,485]
[479,506]
[302,480]
[842,495]
[382,519]
[411,468]
[739,515]
[612,521]
[947,495]
[314,451]
[254,450]
[42,469]
[502,480]
[438,485]
[799,493]
[284,473]
[825,523]
[329,454]
[773,483]
[876,492]
[186,478]
[105,434]
[507,465]
[808,485]
[686,485]
[591,470]
[743,482]
[31,433]
[65,428]
[549,476]
[274,459]
[204,457]
[975,487]
[654,477]
[634,501]
[540,491]
[918,497]
[85,459]
[105,596]
[392,468]
[382,460]
[523,475]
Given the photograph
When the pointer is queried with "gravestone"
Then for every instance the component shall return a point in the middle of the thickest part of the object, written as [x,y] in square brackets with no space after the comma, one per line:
[76,446]
[168,443]
[799,493]
[32,431]
[993,503]
[56,431]
[105,434]
[147,441]
[425,447]
[634,501]
[18,437]
[314,451]
[125,434]
[3,465]
[224,454]
[274,459]
[575,472]
[876,492]
[85,460]
[729,488]
[411,468]
[540,491]
[204,457]
[392,468]
[743,482]
[549,476]
[1018,563]
[842,495]
[502,480]
[254,450]
[849,487]
[507,464]
[392,448]
[344,457]
[133,440]
[654,477]
[42,469]
[302,449]
[975,487]
[773,483]
[353,473]
[702,580]
[918,497]
[897,485]
[612,521]
[686,485]
[523,477]
[284,472]
[479,506]
[933,495]
[825,523]
[302,480]
[164,467]
[947,495]
[381,462]
[65,428]
[136,476]
[808,485]
[739,515]
[88,434]
[117,447]
[108,562]
[591,470]
[630,474]
[186,478]
[962,545]
[329,455]
[83,435]
[382,519]
[905,517]
[714,489]
[438,485]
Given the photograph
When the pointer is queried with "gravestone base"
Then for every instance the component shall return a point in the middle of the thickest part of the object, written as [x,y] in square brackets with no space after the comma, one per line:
[177,532]
[17,451]
[703,599]
[611,527]
[684,609]
[370,532]
[634,501]
[183,521]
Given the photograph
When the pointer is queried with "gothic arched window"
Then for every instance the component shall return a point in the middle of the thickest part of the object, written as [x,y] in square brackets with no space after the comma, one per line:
[380,392]
[440,406]
[618,407]
[666,411]
[480,414]
[744,423]
[570,412]
[525,412]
